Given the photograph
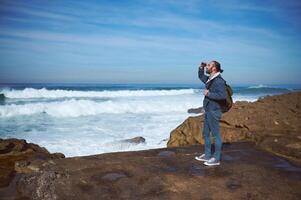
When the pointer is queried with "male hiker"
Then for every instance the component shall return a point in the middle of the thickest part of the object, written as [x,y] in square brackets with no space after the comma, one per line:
[214,94]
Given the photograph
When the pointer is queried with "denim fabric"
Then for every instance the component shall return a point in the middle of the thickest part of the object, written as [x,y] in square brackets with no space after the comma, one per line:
[211,124]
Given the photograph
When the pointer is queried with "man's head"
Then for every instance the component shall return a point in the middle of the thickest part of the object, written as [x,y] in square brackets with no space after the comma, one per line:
[213,67]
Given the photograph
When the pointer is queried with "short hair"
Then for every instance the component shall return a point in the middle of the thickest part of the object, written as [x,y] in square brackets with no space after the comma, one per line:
[218,66]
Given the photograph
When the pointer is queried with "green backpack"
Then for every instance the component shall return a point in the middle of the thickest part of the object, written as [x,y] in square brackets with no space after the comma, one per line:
[228,102]
[226,106]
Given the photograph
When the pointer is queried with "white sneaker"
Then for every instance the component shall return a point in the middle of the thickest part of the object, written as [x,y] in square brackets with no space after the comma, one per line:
[211,162]
[201,158]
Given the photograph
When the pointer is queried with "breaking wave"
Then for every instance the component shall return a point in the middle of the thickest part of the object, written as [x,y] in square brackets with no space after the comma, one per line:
[76,108]
[46,93]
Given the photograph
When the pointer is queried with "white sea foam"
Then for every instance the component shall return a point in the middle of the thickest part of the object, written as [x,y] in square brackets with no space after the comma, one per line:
[45,93]
[244,98]
[62,122]
[76,108]
[258,86]
[86,107]
[99,134]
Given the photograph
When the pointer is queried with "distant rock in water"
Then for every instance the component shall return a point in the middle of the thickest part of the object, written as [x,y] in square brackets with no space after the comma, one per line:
[2,98]
[196,110]
[136,140]
[164,140]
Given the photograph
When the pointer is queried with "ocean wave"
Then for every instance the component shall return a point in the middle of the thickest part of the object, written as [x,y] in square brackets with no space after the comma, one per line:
[261,90]
[45,93]
[76,108]
[262,86]
[258,86]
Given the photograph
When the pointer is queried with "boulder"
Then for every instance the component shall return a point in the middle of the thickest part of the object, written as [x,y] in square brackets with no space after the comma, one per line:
[135,140]
[18,156]
[2,97]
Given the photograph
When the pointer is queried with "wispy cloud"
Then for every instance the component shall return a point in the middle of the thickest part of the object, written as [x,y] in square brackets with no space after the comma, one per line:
[129,33]
[12,7]
[143,19]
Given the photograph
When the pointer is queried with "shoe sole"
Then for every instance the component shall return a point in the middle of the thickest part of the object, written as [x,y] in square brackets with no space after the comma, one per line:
[203,160]
[205,163]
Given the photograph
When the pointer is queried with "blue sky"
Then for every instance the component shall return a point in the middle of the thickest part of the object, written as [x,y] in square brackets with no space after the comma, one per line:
[149,41]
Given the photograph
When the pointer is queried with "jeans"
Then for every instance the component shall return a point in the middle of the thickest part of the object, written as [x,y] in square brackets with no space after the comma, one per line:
[211,124]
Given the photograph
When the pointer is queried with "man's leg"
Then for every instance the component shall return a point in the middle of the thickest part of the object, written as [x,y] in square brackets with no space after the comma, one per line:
[206,136]
[214,120]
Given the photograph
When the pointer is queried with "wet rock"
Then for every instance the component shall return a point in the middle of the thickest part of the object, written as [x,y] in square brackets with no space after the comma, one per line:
[233,185]
[196,110]
[2,99]
[230,158]
[113,176]
[164,140]
[169,169]
[197,170]
[166,153]
[135,140]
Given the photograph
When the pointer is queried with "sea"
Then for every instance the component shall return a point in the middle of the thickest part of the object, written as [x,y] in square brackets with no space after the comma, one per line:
[86,119]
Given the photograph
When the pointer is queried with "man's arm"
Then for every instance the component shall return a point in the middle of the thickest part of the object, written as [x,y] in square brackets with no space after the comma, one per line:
[220,93]
[202,76]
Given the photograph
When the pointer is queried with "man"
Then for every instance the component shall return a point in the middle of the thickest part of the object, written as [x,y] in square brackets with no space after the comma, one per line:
[214,95]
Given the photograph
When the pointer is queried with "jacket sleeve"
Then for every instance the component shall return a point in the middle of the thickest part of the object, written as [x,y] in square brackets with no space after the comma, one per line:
[202,76]
[220,91]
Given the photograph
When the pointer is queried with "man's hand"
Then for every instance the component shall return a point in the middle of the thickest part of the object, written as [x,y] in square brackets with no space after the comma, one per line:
[203,65]
[206,92]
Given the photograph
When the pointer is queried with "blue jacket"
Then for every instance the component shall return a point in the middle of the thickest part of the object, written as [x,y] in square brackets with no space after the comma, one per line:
[217,91]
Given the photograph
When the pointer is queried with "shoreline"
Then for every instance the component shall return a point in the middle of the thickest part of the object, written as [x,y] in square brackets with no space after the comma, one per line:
[258,156]
[87,152]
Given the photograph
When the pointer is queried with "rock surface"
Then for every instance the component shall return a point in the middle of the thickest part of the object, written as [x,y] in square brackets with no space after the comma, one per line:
[169,173]
[135,140]
[273,122]
[16,157]
[2,98]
